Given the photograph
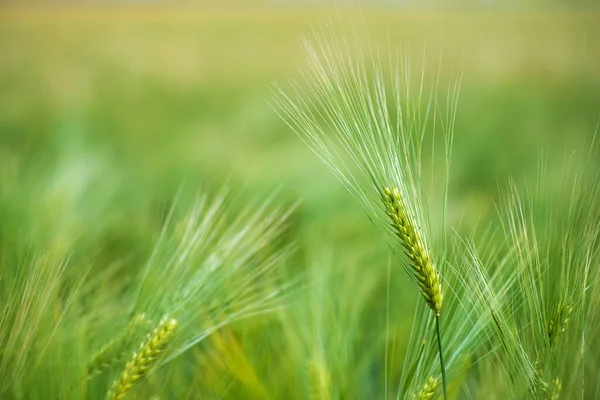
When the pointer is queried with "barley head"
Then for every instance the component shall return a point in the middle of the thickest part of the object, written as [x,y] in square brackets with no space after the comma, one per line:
[142,360]
[318,381]
[428,389]
[426,274]
[539,386]
[558,322]
[546,391]
[112,352]
[556,389]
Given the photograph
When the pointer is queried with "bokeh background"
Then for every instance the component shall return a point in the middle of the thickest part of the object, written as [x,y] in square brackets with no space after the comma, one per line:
[113,106]
[182,91]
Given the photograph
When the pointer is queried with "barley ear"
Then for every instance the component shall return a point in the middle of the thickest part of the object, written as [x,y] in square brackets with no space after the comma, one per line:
[112,352]
[142,360]
[538,385]
[541,389]
[557,388]
[427,276]
[557,323]
[318,379]
[428,389]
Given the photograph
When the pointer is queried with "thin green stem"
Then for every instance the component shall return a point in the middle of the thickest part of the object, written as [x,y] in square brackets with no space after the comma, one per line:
[387,324]
[443,366]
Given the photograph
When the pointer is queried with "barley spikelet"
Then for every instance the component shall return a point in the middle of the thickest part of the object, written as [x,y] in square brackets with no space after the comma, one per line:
[544,390]
[558,322]
[113,351]
[539,388]
[318,381]
[557,388]
[542,387]
[424,271]
[428,389]
[137,368]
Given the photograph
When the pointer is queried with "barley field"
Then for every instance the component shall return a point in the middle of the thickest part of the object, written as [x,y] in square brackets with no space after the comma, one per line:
[166,231]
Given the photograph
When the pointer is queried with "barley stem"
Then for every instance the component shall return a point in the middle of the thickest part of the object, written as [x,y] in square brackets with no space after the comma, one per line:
[439,337]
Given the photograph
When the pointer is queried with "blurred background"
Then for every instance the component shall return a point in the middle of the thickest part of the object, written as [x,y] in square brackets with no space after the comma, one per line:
[119,103]
[172,91]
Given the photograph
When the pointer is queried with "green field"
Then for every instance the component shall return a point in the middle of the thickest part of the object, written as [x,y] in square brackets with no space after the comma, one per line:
[105,115]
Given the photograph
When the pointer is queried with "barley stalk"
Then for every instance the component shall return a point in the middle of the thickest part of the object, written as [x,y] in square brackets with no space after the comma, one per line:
[441,353]
[424,271]
[428,389]
[139,365]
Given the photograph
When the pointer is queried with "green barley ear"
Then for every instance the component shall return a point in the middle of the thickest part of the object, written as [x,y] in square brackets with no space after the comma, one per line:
[557,323]
[428,389]
[556,389]
[539,386]
[141,362]
[318,380]
[541,389]
[113,351]
[426,274]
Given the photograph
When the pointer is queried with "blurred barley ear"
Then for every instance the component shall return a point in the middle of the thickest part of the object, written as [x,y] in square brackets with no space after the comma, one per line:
[318,379]
[557,388]
[557,323]
[542,389]
[141,362]
[428,389]
[114,350]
